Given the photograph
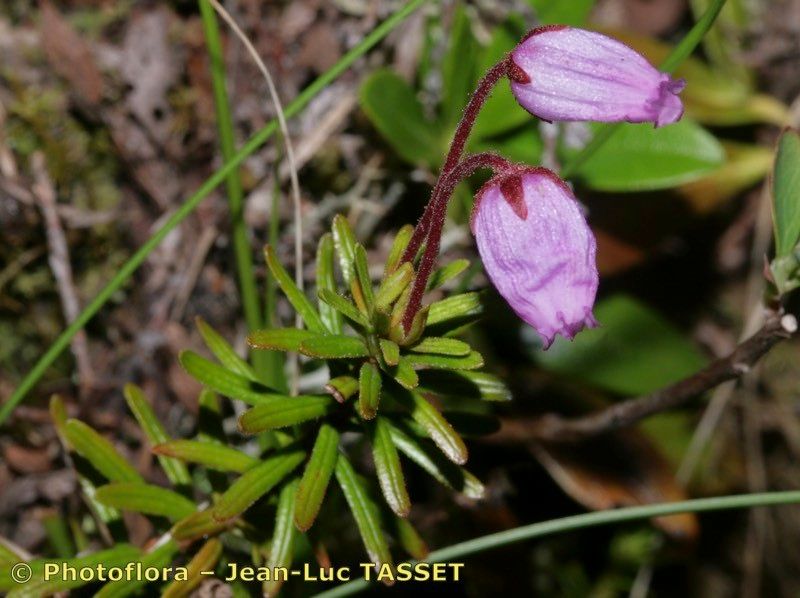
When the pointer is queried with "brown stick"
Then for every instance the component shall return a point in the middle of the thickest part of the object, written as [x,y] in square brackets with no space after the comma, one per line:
[554,428]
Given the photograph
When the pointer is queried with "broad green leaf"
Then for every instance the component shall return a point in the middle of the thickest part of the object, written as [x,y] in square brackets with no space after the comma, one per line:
[147,499]
[393,285]
[409,539]
[446,273]
[472,361]
[391,106]
[314,483]
[118,556]
[138,404]
[562,12]
[334,346]
[401,240]
[280,339]
[100,453]
[454,308]
[158,557]
[326,281]
[225,381]
[281,549]
[343,306]
[255,483]
[205,559]
[199,524]
[464,385]
[441,346]
[208,454]
[283,412]
[295,296]
[226,354]
[435,425]
[363,278]
[342,387]
[344,242]
[388,468]
[390,351]
[428,457]
[405,375]
[365,512]
[633,351]
[786,193]
[369,390]
[642,158]
[458,67]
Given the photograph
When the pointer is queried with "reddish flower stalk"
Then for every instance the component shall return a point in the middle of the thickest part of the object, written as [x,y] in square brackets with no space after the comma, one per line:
[460,137]
[444,189]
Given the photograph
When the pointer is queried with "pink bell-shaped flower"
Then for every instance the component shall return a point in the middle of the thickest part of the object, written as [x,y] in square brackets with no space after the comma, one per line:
[561,73]
[538,250]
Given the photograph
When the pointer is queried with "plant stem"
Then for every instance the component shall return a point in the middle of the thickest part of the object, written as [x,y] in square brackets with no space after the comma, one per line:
[250,147]
[584,520]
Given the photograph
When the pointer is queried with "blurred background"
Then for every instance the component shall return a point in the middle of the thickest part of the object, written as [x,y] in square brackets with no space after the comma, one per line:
[107,125]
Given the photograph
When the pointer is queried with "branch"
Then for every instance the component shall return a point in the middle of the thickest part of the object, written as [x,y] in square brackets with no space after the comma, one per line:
[554,428]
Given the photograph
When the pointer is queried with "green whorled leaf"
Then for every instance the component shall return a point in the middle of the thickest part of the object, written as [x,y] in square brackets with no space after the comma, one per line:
[425,454]
[472,361]
[786,193]
[342,388]
[100,453]
[633,351]
[393,285]
[295,296]
[401,240]
[435,425]
[199,524]
[224,381]
[118,556]
[281,549]
[454,308]
[458,67]
[344,241]
[365,512]
[439,345]
[642,158]
[390,351]
[205,559]
[326,281]
[222,350]
[334,346]
[470,424]
[137,403]
[369,390]
[255,483]
[446,273]
[405,374]
[158,557]
[409,539]
[558,12]
[208,454]
[280,413]
[146,499]
[344,307]
[314,483]
[363,278]
[209,420]
[391,106]
[464,384]
[388,468]
[280,339]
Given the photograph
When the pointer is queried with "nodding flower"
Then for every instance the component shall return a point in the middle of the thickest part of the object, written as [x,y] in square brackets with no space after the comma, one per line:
[538,250]
[561,73]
